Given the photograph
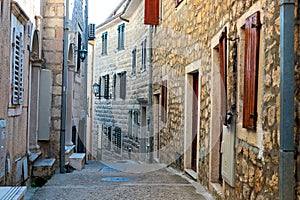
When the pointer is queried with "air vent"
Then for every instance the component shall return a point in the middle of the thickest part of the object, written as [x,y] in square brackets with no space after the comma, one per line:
[91,31]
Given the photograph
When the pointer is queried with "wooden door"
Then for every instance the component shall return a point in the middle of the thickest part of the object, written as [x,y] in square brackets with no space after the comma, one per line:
[195,121]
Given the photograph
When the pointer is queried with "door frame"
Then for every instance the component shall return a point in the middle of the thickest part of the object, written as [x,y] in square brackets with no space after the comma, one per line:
[190,70]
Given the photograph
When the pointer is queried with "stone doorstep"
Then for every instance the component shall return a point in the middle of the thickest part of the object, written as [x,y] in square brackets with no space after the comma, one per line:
[77,160]
[12,193]
[44,168]
[69,150]
[34,156]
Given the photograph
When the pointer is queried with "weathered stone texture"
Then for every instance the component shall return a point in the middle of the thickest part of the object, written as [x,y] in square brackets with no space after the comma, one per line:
[183,37]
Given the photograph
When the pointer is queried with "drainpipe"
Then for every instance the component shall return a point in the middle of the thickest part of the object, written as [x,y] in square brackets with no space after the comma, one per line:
[85,77]
[64,89]
[286,165]
[150,97]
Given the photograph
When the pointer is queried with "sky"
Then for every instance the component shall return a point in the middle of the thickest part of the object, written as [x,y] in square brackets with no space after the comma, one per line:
[99,10]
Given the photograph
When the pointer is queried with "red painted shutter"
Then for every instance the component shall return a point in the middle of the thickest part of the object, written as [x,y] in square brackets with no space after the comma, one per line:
[223,71]
[151,14]
[252,35]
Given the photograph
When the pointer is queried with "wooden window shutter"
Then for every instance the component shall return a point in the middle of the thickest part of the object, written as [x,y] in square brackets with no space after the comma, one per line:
[164,92]
[223,72]
[151,12]
[106,86]
[104,43]
[115,86]
[17,93]
[223,56]
[144,53]
[123,85]
[252,29]
[121,29]
[133,62]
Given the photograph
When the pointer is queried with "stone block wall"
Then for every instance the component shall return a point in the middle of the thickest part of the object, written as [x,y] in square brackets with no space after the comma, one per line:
[52,42]
[114,112]
[183,37]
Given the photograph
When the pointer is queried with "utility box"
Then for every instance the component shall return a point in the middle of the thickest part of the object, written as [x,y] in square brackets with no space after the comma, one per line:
[2,147]
[45,98]
[227,150]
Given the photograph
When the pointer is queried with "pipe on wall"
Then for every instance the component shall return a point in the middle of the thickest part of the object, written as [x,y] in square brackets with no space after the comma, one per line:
[286,151]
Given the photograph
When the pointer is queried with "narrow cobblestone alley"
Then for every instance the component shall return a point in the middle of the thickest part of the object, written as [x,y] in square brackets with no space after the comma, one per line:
[120,180]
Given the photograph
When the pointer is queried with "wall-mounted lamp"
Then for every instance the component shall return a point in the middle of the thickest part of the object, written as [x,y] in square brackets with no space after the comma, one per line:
[82,54]
[96,91]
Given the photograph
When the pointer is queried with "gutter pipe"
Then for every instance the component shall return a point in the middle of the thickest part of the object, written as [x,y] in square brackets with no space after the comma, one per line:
[64,89]
[150,97]
[286,151]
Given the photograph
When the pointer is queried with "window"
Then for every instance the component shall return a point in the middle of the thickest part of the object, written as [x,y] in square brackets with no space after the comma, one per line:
[251,57]
[120,85]
[79,46]
[17,61]
[104,83]
[144,54]
[104,43]
[164,92]
[121,36]
[133,72]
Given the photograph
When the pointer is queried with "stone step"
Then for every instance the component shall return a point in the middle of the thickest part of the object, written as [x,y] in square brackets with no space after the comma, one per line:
[44,168]
[12,192]
[77,160]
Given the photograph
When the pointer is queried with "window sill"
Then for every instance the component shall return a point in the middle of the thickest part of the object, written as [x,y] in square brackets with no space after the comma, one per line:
[14,111]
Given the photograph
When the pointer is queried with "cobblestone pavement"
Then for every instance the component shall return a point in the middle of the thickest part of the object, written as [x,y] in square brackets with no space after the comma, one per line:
[120,180]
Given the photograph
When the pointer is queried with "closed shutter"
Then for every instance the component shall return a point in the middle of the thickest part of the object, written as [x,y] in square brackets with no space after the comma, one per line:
[223,71]
[151,12]
[252,29]
[18,51]
[121,28]
[144,54]
[133,62]
[164,101]
[79,41]
[104,43]
[106,86]
[123,85]
[115,86]
[118,139]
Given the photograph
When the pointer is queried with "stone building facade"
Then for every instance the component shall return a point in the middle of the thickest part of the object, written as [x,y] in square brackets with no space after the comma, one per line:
[20,61]
[218,129]
[121,71]
[31,84]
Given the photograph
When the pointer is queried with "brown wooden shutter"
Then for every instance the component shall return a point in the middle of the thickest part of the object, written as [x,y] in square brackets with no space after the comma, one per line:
[252,28]
[223,71]
[151,14]
[164,92]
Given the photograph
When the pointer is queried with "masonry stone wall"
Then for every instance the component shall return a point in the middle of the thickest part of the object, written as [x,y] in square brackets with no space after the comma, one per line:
[53,12]
[115,112]
[183,37]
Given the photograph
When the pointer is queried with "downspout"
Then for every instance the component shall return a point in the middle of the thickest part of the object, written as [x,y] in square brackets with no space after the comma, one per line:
[64,89]
[85,78]
[286,164]
[150,97]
